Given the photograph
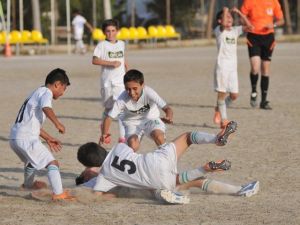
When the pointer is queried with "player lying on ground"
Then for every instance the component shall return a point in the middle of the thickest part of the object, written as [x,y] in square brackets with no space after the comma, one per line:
[157,170]
[138,107]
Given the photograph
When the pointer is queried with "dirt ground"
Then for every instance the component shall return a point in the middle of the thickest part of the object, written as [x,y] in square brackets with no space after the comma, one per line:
[265,147]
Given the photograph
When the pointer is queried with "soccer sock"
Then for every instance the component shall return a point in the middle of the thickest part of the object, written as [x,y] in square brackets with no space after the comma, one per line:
[198,137]
[29,173]
[222,109]
[190,175]
[218,187]
[55,179]
[228,101]
[264,85]
[253,79]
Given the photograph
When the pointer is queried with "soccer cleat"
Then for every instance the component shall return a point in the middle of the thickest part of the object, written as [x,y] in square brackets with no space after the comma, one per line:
[65,196]
[217,116]
[265,105]
[224,123]
[171,197]
[219,165]
[222,137]
[249,189]
[253,98]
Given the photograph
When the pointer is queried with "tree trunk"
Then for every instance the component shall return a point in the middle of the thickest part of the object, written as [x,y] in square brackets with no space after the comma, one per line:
[36,14]
[287,17]
[212,5]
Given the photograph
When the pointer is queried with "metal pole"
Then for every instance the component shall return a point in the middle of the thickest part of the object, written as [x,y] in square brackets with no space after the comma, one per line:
[132,13]
[210,18]
[8,19]
[94,14]
[52,22]
[168,12]
[68,26]
[21,15]
[107,9]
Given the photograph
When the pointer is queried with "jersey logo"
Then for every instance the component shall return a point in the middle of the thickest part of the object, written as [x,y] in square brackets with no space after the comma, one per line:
[123,163]
[269,11]
[230,40]
[118,54]
[142,110]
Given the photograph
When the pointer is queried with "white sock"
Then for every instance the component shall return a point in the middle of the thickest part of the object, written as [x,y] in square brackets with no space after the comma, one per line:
[55,179]
[29,173]
[218,187]
[190,175]
[228,101]
[198,137]
[222,109]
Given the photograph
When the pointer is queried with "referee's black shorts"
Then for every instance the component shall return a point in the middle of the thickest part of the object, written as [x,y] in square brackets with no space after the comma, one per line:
[261,45]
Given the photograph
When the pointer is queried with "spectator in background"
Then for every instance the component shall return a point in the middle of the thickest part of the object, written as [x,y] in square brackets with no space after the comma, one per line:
[261,43]
[78,23]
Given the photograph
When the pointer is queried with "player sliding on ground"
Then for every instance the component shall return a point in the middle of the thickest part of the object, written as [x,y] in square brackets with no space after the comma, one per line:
[138,108]
[157,170]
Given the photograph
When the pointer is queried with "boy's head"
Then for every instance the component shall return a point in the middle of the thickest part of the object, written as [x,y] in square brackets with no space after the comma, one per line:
[134,83]
[110,28]
[75,12]
[57,81]
[224,18]
[91,155]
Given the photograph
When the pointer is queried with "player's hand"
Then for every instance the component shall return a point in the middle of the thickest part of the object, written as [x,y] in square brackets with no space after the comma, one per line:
[61,128]
[54,144]
[235,10]
[116,64]
[105,139]
[167,120]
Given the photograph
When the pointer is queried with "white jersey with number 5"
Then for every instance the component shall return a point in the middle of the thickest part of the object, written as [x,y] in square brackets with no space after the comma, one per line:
[124,167]
[145,108]
[31,116]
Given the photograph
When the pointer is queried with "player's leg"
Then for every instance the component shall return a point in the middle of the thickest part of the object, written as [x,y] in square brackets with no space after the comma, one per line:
[133,142]
[221,105]
[230,98]
[267,51]
[183,141]
[156,129]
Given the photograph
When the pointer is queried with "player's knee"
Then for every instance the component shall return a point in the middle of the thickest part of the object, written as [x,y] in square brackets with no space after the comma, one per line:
[158,136]
[133,142]
[233,96]
[54,162]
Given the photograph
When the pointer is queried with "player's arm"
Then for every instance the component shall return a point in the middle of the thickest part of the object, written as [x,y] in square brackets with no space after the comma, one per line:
[89,26]
[126,65]
[101,62]
[105,135]
[169,114]
[247,26]
[54,144]
[51,115]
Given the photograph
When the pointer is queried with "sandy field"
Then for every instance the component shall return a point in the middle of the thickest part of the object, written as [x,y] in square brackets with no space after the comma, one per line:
[265,147]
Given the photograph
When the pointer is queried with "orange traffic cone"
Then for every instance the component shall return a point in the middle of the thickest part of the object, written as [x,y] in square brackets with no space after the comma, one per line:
[7,50]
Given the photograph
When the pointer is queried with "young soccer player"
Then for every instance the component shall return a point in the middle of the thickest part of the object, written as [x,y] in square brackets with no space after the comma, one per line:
[110,55]
[139,106]
[157,170]
[225,76]
[25,133]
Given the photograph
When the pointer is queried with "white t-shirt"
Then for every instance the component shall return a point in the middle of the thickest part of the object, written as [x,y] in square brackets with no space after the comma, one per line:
[108,51]
[145,108]
[31,116]
[227,46]
[78,25]
[124,167]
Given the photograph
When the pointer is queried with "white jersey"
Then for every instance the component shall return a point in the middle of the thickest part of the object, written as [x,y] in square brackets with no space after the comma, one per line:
[108,51]
[31,116]
[123,167]
[145,108]
[78,26]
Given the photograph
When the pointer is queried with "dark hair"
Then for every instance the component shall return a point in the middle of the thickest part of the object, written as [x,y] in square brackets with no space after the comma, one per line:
[57,75]
[110,22]
[75,11]
[134,75]
[219,15]
[91,154]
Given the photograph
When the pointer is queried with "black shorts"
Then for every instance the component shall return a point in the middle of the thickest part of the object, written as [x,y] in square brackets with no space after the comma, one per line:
[261,45]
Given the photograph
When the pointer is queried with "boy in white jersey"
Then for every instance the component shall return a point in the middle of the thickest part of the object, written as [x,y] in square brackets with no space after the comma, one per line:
[225,76]
[78,24]
[25,133]
[139,107]
[157,170]
[110,55]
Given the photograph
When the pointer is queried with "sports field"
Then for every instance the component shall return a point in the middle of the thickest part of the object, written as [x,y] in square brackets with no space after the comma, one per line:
[265,147]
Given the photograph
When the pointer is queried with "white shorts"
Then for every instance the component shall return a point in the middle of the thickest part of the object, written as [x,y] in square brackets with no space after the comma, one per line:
[33,152]
[110,93]
[140,128]
[226,81]
[166,161]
